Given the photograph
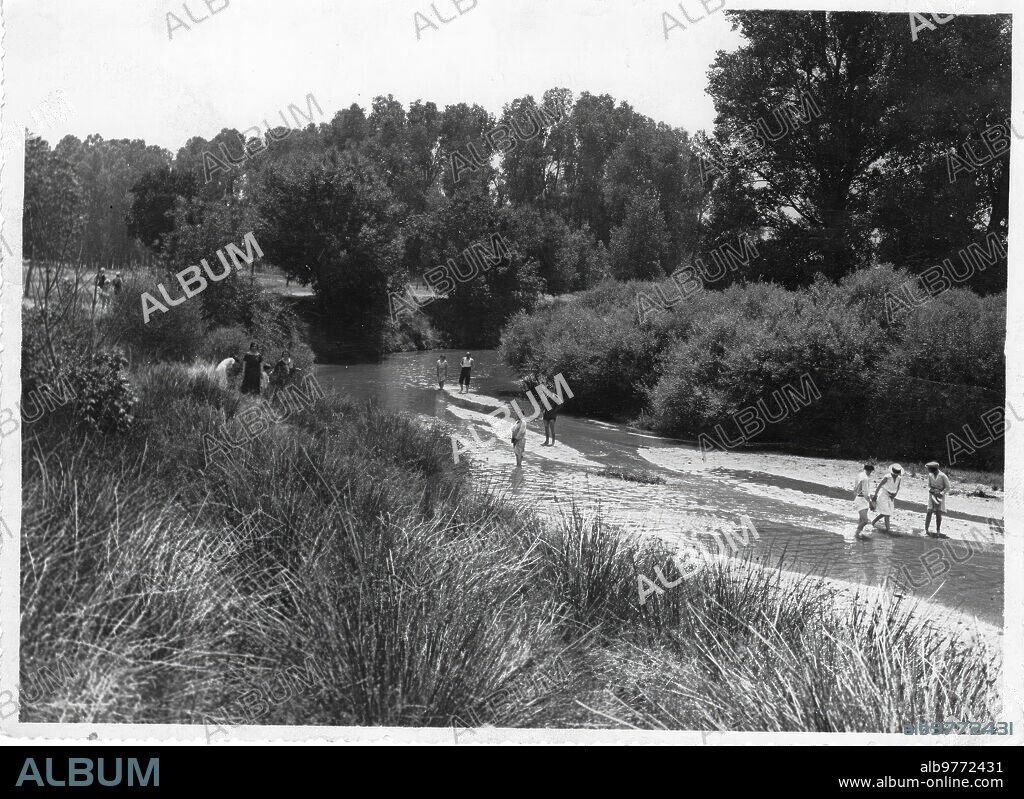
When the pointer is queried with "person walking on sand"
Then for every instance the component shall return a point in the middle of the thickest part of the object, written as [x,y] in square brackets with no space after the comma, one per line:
[467,366]
[885,495]
[938,485]
[519,441]
[253,369]
[861,490]
[442,371]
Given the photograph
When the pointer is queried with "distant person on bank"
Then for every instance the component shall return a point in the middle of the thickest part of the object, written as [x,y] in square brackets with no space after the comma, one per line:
[519,441]
[442,372]
[861,501]
[938,486]
[885,495]
[467,366]
[252,374]
[283,371]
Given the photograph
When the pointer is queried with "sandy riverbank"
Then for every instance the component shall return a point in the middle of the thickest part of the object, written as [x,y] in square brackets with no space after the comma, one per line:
[835,474]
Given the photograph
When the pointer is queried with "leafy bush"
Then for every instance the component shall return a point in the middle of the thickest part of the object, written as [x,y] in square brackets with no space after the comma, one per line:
[174,335]
[105,399]
[889,384]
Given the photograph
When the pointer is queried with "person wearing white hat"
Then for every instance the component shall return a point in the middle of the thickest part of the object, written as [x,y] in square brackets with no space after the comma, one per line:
[938,485]
[885,495]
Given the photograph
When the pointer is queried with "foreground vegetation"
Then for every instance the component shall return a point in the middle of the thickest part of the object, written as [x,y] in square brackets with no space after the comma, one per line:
[892,385]
[337,568]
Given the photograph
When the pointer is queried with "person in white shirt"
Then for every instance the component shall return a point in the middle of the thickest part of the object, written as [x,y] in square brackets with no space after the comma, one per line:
[467,365]
[221,371]
[938,485]
[885,495]
[861,490]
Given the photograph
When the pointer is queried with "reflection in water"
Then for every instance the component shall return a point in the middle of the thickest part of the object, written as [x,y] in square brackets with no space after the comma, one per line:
[812,525]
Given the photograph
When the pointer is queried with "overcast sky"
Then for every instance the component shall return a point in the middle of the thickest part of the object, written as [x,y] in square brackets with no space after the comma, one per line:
[126,77]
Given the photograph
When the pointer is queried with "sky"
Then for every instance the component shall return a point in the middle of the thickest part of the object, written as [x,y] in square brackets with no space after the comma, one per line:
[123,69]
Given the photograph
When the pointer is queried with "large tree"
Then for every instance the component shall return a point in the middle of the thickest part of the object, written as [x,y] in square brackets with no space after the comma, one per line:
[331,221]
[816,109]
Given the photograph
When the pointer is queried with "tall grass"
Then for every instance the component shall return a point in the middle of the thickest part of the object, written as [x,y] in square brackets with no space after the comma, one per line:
[338,569]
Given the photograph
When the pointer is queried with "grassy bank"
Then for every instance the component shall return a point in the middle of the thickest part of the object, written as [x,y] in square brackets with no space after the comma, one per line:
[887,385]
[337,568]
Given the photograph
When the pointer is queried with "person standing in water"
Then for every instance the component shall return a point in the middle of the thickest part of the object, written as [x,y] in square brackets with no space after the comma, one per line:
[442,371]
[861,489]
[549,424]
[938,485]
[519,441]
[467,366]
[885,495]
[253,369]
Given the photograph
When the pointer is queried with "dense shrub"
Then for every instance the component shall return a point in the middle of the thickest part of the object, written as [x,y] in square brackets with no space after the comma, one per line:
[171,335]
[183,332]
[607,360]
[891,384]
[105,399]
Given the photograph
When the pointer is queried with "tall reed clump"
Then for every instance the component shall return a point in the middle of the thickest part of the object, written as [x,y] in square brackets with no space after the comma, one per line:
[347,565]
[751,647]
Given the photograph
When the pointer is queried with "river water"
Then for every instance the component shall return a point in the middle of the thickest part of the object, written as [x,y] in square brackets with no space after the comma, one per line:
[808,523]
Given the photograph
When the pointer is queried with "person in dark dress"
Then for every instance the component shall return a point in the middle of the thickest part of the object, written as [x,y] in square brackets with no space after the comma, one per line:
[252,366]
[549,424]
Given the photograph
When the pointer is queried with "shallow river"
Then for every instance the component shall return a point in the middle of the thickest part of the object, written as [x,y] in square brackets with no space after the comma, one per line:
[810,522]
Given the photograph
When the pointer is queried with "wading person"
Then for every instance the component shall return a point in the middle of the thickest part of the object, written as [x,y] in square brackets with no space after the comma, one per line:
[442,372]
[467,366]
[885,495]
[252,365]
[519,441]
[938,485]
[861,490]
[549,424]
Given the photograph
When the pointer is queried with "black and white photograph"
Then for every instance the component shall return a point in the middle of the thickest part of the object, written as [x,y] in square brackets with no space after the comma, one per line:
[471,372]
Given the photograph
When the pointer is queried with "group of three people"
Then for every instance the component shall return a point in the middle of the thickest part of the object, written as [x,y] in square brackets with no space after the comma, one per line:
[103,283]
[255,376]
[883,500]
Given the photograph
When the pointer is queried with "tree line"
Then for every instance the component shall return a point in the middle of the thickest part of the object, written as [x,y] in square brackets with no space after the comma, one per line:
[830,149]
